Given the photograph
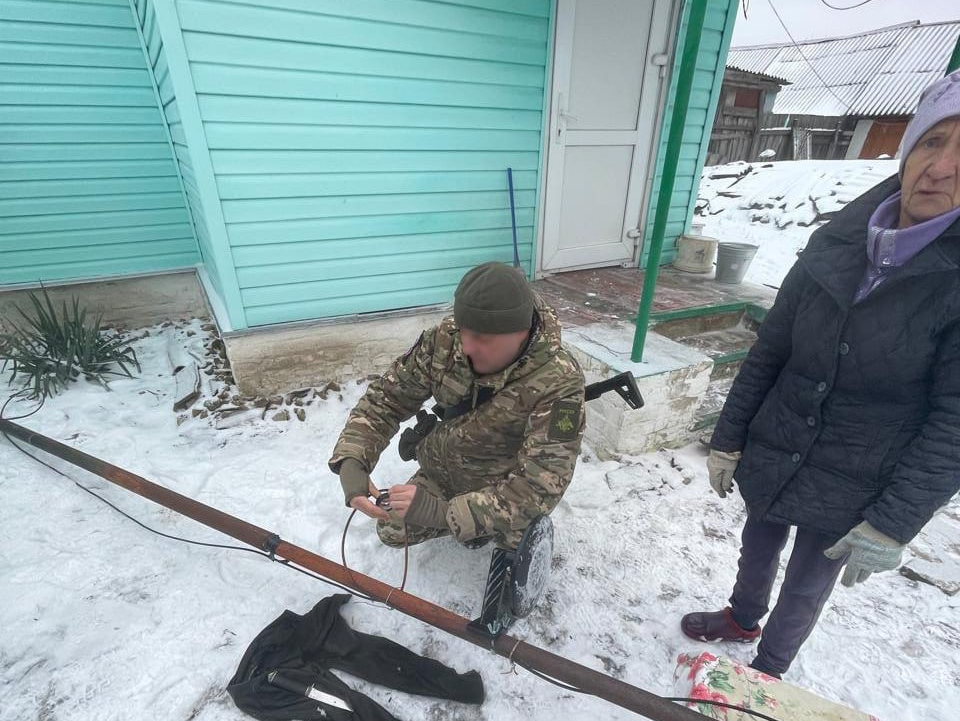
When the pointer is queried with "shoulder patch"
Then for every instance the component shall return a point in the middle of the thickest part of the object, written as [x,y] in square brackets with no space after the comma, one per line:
[564,421]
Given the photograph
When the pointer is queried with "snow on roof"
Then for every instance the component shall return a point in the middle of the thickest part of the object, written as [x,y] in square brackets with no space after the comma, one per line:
[880,72]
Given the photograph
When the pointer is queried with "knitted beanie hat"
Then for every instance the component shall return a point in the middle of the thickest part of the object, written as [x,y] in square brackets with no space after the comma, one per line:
[940,100]
[493,298]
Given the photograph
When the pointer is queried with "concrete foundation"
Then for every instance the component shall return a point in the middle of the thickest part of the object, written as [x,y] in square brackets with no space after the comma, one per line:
[284,358]
[131,302]
[672,379]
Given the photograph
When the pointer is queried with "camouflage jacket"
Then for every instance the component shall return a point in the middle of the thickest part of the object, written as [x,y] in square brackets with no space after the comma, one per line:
[502,464]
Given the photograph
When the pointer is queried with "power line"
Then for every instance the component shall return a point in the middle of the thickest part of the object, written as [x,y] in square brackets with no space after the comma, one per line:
[846,105]
[849,7]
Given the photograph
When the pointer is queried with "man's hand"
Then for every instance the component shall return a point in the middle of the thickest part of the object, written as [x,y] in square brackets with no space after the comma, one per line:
[721,466]
[419,507]
[368,507]
[870,551]
[401,498]
[356,486]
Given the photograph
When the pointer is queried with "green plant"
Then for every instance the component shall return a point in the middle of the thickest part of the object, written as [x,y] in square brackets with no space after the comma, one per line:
[50,350]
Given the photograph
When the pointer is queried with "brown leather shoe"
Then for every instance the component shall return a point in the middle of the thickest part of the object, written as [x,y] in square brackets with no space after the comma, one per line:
[716,626]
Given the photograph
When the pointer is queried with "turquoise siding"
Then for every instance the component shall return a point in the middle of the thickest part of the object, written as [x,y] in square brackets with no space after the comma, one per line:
[360,150]
[153,43]
[320,158]
[88,187]
[715,42]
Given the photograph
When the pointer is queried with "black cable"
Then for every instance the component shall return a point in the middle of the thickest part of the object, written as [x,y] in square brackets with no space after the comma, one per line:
[22,393]
[550,679]
[282,561]
[723,705]
[288,564]
[568,687]
[796,45]
[850,7]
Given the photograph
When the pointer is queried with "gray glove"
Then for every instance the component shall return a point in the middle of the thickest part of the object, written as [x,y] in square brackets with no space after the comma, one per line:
[427,510]
[721,466]
[869,551]
[354,479]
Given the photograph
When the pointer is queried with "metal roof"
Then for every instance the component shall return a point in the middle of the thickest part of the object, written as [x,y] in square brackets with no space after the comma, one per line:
[880,72]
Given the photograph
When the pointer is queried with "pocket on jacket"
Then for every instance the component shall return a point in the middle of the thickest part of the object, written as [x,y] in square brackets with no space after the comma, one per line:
[875,457]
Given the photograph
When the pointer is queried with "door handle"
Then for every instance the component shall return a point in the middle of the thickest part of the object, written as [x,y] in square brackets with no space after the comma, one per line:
[563,117]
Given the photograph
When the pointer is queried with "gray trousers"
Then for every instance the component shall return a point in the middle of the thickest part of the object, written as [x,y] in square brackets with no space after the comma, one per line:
[809,579]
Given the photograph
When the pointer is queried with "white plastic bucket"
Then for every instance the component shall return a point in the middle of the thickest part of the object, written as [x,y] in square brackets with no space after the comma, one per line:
[695,253]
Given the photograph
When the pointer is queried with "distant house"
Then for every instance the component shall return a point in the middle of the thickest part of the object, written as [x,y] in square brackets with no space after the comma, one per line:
[848,97]
[746,100]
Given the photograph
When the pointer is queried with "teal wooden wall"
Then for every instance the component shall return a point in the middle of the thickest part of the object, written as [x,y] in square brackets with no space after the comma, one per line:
[218,273]
[715,42]
[360,150]
[88,187]
[321,158]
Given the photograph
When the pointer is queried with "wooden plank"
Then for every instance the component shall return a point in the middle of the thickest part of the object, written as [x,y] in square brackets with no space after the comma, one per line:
[242,234]
[360,303]
[461,18]
[72,238]
[279,112]
[17,50]
[316,56]
[319,161]
[323,271]
[98,268]
[218,79]
[286,209]
[66,168]
[271,185]
[253,21]
[264,255]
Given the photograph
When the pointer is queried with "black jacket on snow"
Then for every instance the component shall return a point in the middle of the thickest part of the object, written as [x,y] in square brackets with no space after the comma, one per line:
[305,648]
[850,412]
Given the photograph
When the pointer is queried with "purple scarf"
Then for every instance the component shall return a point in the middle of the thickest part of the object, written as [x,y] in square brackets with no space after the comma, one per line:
[889,247]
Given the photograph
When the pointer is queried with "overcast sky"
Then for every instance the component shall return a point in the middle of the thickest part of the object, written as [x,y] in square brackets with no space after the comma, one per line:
[811,19]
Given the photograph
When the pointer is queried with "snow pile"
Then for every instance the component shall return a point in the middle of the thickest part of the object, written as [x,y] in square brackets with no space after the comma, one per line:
[776,206]
[105,621]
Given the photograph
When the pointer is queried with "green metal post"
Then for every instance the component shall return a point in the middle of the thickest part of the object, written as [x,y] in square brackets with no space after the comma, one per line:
[954,63]
[688,62]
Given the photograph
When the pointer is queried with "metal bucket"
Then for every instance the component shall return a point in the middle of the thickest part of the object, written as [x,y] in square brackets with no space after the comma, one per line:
[695,253]
[733,259]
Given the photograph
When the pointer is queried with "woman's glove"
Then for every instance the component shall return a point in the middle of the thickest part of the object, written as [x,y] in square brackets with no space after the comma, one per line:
[869,551]
[721,466]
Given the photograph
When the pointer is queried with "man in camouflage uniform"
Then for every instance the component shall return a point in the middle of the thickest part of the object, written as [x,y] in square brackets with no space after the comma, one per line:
[508,458]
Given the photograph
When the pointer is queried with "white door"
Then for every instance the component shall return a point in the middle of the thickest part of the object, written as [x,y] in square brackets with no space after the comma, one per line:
[605,95]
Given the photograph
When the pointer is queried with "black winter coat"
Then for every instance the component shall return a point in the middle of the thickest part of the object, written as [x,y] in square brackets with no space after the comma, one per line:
[850,412]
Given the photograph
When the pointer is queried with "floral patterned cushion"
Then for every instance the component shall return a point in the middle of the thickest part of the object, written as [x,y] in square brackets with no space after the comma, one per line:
[718,679]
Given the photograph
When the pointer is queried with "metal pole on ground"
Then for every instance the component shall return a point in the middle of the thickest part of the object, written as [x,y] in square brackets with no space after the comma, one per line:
[556,667]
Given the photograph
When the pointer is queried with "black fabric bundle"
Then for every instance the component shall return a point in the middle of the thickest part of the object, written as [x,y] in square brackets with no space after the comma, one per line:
[305,648]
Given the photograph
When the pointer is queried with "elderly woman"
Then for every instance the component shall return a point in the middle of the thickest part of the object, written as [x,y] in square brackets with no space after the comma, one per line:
[845,418]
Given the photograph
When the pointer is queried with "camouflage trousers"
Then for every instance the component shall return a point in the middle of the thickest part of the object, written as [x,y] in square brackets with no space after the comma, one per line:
[397,534]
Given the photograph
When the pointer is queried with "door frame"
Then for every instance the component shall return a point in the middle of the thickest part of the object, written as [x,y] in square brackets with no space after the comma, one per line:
[550,126]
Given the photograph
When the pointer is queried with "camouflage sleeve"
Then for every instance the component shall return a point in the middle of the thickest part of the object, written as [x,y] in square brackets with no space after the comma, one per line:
[389,400]
[545,466]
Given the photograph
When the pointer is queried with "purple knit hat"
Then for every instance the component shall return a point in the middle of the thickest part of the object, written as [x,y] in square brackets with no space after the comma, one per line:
[939,101]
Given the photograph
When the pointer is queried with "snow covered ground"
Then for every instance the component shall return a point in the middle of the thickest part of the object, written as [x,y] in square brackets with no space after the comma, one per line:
[776,206]
[103,620]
